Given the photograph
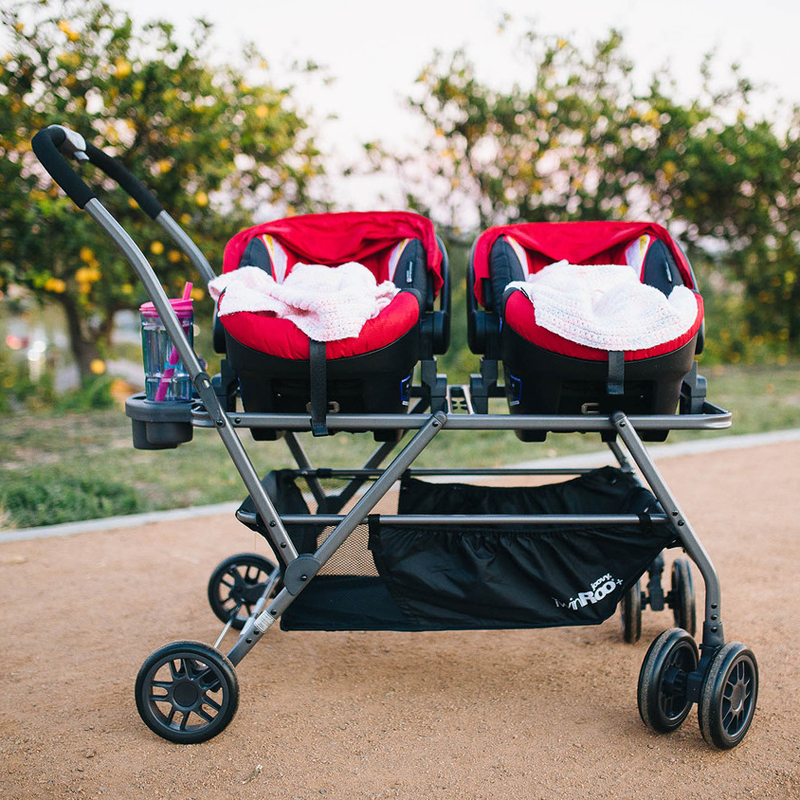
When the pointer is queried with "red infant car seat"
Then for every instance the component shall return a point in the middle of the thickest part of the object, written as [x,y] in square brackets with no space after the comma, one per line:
[546,373]
[280,369]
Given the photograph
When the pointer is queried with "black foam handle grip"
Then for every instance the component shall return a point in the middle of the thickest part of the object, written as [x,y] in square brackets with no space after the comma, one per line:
[132,185]
[46,145]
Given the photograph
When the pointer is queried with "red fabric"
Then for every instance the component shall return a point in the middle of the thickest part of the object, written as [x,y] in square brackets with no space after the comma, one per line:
[521,317]
[334,239]
[281,337]
[577,242]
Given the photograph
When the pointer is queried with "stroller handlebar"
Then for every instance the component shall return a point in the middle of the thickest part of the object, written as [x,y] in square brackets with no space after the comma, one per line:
[52,145]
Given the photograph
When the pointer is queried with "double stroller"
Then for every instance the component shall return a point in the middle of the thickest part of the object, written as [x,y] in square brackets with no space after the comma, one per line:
[439,554]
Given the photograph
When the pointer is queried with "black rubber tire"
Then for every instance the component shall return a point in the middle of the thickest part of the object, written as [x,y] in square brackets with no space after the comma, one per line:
[682,600]
[187,692]
[235,585]
[663,702]
[630,610]
[728,696]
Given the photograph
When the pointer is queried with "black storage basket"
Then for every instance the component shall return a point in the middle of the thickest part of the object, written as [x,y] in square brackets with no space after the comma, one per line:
[492,576]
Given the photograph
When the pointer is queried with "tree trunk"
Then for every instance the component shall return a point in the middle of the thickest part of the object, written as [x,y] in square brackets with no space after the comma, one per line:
[82,342]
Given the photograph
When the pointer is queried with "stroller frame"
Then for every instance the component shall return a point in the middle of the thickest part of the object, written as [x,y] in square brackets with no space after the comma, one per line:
[722,678]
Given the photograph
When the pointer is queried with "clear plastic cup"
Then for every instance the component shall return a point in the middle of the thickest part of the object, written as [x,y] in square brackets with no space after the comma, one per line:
[165,376]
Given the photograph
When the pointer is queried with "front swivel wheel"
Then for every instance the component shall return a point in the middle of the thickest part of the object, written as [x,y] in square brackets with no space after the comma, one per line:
[728,696]
[187,692]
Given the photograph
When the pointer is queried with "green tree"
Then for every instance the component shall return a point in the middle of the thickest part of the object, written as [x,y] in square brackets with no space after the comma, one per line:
[214,142]
[580,141]
[730,183]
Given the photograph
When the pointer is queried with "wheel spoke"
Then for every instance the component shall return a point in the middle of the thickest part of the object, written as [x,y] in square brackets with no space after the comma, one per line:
[208,680]
[210,701]
[234,611]
[201,712]
[195,669]
[727,716]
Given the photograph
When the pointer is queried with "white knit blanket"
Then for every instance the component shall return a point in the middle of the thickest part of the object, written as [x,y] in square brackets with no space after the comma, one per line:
[326,303]
[607,307]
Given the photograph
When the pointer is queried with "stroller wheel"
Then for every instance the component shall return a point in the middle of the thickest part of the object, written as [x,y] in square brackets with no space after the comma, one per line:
[681,596]
[728,696]
[187,692]
[630,609]
[662,694]
[236,584]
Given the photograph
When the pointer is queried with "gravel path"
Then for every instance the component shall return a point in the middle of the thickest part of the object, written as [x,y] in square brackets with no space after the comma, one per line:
[520,714]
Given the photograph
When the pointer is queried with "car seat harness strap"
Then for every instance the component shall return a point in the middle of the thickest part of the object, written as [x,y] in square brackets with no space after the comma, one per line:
[318,387]
[615,385]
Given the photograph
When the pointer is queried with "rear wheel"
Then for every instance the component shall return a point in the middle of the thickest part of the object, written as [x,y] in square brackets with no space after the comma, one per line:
[663,698]
[630,609]
[681,596]
[236,585]
[728,696]
[187,692]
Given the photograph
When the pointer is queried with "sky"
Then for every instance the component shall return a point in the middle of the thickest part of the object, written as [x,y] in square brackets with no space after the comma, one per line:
[375,50]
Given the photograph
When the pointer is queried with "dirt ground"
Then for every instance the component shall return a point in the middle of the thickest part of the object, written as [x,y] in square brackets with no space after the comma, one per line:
[519,714]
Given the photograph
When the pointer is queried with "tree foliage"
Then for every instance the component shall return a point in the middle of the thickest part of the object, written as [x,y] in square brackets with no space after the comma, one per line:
[580,141]
[213,142]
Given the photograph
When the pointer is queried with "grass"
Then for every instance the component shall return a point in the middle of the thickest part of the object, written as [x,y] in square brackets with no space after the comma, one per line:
[62,467]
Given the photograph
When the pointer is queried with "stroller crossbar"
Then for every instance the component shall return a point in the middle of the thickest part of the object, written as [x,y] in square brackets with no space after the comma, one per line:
[467,520]
[712,418]
[450,556]
[432,472]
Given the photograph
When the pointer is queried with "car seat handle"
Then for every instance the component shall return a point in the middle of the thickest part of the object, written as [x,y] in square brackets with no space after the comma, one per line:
[53,145]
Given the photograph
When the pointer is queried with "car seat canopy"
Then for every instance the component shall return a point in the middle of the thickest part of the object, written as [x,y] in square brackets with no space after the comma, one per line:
[576,242]
[333,239]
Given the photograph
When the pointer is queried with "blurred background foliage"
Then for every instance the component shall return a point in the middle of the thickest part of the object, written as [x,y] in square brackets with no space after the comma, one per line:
[215,142]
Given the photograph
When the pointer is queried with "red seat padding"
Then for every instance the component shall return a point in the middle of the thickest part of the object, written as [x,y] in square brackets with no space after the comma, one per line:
[281,337]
